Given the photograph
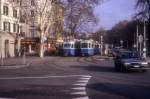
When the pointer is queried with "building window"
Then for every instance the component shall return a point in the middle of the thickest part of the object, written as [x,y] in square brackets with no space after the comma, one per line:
[32,3]
[6,26]
[16,1]
[18,28]
[5,10]
[32,13]
[14,27]
[15,13]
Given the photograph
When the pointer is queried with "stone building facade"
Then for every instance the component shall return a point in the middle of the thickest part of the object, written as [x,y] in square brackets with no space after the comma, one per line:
[9,28]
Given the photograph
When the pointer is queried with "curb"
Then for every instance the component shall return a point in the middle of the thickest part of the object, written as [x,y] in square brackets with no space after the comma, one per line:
[103,57]
[14,66]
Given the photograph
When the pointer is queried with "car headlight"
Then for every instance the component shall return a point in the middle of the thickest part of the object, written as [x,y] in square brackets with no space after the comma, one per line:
[126,63]
[144,63]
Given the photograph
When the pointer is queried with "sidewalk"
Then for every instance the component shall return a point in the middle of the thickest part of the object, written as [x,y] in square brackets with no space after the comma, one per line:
[16,62]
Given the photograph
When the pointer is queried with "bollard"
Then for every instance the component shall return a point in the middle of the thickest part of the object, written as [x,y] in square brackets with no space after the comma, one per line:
[2,60]
[24,58]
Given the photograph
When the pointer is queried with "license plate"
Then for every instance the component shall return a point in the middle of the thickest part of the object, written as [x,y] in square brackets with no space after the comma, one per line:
[136,66]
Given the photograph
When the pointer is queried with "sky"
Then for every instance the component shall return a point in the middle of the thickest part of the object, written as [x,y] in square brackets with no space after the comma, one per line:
[111,12]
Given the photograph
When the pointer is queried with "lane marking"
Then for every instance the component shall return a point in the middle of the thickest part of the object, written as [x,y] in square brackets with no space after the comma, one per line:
[80,84]
[82,97]
[84,78]
[82,81]
[79,93]
[41,77]
[79,88]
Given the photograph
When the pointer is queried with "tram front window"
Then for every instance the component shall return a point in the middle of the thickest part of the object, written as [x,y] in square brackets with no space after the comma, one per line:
[84,45]
[67,45]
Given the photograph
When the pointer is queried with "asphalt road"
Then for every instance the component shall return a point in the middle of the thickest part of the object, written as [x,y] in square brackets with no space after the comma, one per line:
[72,78]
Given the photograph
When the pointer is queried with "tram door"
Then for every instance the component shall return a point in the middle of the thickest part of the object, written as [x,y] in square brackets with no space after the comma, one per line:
[6,49]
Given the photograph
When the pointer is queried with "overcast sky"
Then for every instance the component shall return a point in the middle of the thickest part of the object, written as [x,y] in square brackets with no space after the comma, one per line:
[113,11]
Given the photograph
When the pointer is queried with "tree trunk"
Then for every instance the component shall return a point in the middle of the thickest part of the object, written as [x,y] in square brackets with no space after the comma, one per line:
[41,52]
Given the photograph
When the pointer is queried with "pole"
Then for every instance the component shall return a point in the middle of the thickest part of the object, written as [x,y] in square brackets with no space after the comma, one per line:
[101,45]
[137,37]
[144,49]
[2,60]
[24,56]
[140,48]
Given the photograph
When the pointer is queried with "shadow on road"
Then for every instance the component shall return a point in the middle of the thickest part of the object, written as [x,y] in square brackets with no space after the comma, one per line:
[115,90]
[96,68]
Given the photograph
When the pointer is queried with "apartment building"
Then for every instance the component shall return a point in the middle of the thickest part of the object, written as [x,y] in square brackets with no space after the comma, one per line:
[20,22]
[9,27]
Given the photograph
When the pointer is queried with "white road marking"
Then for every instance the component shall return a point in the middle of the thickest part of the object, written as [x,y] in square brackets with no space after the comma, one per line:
[82,81]
[82,97]
[84,78]
[80,84]
[41,77]
[79,93]
[79,88]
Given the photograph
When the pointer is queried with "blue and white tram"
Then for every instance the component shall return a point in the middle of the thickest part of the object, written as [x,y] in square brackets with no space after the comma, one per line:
[96,48]
[87,48]
[69,48]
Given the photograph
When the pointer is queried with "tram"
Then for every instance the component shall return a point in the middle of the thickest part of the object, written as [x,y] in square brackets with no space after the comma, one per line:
[68,48]
[96,48]
[87,48]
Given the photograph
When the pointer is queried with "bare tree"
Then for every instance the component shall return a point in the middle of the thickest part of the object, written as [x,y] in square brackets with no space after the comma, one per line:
[56,30]
[144,13]
[79,14]
[144,9]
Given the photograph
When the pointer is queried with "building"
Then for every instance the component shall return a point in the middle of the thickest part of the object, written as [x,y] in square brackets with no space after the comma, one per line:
[9,28]
[22,26]
[28,21]
[57,27]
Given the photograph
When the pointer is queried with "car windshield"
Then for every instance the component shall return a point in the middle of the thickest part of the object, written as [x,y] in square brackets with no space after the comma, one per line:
[129,55]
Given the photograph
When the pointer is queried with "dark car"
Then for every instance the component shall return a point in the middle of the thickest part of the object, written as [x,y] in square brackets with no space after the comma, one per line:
[130,60]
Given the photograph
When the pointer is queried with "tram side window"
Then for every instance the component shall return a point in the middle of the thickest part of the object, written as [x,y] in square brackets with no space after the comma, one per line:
[93,45]
[97,46]
[67,45]
[84,45]
[72,45]
[90,45]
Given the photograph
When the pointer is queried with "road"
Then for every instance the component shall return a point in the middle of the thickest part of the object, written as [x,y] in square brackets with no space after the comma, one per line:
[72,78]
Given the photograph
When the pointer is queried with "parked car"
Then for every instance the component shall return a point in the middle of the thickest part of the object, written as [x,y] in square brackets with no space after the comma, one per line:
[130,60]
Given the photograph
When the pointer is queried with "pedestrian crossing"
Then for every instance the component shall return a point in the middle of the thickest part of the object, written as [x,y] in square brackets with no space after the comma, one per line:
[76,87]
[79,87]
